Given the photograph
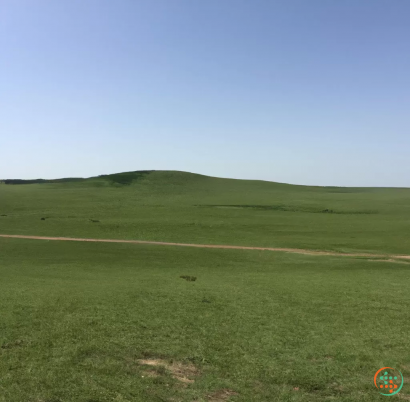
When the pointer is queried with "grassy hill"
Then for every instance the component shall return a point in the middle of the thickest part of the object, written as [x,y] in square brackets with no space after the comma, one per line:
[186,207]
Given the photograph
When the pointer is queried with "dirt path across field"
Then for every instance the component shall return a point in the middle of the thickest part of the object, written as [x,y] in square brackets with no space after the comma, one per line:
[160,243]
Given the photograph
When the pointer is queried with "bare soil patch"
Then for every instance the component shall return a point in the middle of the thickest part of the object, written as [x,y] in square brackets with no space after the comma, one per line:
[221,395]
[184,372]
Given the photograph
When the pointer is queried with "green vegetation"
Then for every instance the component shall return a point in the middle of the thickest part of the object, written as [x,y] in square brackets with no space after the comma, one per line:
[78,317]
[125,178]
[190,208]
[100,322]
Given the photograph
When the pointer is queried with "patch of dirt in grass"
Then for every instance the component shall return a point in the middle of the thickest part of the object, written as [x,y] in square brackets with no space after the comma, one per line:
[183,372]
[404,259]
[221,395]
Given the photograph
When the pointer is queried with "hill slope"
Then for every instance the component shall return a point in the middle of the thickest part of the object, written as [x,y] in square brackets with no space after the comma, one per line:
[187,207]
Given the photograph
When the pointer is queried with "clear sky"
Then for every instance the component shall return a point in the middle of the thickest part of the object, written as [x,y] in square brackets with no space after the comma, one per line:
[297,91]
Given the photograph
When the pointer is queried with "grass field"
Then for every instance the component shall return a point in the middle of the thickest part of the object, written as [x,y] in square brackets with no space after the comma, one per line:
[86,322]
[189,208]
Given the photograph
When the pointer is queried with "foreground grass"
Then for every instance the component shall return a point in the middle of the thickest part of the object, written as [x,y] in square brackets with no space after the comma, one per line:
[188,208]
[76,318]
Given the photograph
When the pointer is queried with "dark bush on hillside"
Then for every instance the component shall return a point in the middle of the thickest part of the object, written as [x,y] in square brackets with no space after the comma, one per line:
[94,220]
[289,208]
[126,178]
[188,278]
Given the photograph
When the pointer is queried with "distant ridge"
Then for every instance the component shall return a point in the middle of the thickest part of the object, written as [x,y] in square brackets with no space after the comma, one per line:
[128,178]
[123,178]
[42,181]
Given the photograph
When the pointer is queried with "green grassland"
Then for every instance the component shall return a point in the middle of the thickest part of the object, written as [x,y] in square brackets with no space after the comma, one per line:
[76,319]
[191,208]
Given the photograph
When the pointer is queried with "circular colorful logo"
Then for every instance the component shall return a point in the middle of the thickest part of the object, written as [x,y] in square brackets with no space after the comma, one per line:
[388,381]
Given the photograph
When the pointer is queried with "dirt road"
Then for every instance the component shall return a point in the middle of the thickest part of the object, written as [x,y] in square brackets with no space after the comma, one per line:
[160,243]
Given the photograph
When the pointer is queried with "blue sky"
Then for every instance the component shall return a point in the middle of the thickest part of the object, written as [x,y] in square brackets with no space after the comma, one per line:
[296,91]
